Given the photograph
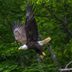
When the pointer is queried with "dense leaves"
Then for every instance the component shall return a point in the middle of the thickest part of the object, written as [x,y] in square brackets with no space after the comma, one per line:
[54,19]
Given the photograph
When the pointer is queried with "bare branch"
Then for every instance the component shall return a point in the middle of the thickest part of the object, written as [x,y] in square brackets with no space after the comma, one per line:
[68,64]
[66,69]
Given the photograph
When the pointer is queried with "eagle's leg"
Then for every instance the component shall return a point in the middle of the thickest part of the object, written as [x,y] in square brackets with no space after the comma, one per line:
[40,57]
[38,48]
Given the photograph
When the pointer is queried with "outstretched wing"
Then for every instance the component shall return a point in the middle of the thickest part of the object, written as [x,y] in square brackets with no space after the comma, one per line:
[30,25]
[19,32]
[29,33]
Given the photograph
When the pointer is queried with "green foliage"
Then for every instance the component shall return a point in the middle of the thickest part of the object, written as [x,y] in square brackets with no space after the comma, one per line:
[54,19]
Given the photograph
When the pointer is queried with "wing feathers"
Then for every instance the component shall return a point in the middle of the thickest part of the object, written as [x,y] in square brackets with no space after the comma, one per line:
[19,32]
[31,26]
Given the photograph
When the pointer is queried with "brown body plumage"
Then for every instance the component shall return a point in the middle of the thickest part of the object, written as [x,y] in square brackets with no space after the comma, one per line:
[28,33]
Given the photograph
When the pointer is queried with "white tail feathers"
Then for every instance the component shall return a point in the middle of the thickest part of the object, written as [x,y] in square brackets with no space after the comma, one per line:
[45,41]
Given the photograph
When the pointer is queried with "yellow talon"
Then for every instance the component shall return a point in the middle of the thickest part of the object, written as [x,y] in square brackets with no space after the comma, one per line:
[41,56]
[43,53]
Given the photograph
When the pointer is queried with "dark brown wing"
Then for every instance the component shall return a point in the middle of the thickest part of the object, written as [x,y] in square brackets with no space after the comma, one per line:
[19,32]
[32,31]
[31,26]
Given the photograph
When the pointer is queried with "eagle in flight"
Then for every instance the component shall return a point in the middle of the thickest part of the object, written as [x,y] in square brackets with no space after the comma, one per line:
[27,34]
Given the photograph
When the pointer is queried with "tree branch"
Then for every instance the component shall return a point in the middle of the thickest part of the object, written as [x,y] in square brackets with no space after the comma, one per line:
[66,69]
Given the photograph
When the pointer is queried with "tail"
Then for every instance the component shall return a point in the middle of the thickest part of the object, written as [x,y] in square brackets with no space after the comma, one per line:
[45,41]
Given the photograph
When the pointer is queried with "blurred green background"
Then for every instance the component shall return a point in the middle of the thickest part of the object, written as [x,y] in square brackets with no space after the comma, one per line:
[54,19]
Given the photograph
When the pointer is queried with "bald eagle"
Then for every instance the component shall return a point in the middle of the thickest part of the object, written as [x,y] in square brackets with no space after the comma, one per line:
[27,34]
